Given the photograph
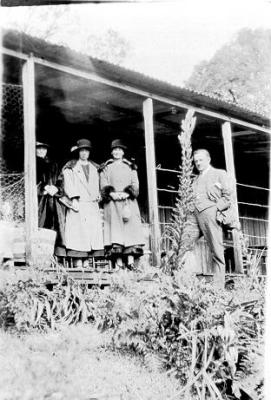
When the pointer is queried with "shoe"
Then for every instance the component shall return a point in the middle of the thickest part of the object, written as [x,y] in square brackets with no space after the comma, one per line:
[130,263]
[116,268]
[118,264]
[131,267]
[78,264]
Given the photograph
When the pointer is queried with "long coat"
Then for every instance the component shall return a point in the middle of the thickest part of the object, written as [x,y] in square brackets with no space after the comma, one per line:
[47,173]
[51,213]
[83,229]
[121,176]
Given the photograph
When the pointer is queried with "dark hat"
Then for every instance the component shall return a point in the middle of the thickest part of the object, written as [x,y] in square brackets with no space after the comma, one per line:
[118,143]
[40,144]
[82,144]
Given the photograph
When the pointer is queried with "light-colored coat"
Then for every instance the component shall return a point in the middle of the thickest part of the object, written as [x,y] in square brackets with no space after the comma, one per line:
[121,177]
[83,229]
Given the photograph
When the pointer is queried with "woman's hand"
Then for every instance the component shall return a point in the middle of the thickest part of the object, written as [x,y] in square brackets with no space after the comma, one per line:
[119,196]
[51,190]
[124,196]
[114,196]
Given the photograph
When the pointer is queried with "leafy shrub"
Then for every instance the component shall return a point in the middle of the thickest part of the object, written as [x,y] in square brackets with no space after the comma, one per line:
[210,339]
[26,303]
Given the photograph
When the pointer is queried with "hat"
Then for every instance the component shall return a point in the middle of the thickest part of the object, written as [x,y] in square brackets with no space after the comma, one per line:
[118,143]
[82,144]
[40,144]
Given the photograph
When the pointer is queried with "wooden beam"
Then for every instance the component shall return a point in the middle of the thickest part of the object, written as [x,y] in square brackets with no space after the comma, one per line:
[31,201]
[229,157]
[151,181]
[258,151]
[28,3]
[93,76]
[243,133]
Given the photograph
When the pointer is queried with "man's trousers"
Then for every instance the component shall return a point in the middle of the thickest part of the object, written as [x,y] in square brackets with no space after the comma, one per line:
[205,223]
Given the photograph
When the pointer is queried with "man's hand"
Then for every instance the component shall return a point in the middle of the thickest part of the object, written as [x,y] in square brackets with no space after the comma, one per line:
[215,193]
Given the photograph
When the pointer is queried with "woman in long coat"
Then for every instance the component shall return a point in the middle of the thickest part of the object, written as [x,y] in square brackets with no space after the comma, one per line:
[47,173]
[51,213]
[83,226]
[123,234]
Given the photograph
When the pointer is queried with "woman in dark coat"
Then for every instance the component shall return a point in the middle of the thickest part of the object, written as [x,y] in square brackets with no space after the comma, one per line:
[47,174]
[51,213]
[123,233]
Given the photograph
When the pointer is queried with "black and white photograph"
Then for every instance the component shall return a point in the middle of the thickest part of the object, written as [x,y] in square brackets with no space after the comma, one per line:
[134,200]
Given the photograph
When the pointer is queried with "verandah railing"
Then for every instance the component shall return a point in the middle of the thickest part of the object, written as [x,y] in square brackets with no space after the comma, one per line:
[253,217]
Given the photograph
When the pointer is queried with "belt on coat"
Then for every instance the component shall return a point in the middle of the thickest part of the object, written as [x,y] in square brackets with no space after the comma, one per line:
[88,201]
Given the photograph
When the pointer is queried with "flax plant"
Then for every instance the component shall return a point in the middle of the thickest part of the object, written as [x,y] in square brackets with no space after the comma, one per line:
[175,232]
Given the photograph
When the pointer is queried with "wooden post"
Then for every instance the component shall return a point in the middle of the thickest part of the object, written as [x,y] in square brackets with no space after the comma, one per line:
[151,179]
[229,157]
[31,201]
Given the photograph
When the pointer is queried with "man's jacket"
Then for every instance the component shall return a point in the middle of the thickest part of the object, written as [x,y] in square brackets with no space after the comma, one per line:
[212,188]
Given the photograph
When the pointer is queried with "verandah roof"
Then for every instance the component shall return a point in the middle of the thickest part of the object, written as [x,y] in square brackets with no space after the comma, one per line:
[20,42]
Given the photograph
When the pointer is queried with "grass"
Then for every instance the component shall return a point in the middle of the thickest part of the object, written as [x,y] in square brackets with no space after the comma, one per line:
[73,363]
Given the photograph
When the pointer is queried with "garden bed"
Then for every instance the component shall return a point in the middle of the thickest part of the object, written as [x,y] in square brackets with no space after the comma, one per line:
[199,341]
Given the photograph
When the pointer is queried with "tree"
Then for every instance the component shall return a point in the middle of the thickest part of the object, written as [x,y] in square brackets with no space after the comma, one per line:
[62,25]
[42,22]
[110,46]
[239,72]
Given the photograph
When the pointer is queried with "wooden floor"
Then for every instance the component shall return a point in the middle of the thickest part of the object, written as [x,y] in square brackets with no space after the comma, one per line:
[100,272]
[103,277]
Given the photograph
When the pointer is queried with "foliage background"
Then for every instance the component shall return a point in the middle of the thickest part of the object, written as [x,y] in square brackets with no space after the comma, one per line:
[167,39]
[239,72]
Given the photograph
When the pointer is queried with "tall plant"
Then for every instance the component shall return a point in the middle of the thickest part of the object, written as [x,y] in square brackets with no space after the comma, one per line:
[175,232]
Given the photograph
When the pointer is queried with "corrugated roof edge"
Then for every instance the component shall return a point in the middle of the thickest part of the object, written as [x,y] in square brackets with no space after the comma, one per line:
[10,37]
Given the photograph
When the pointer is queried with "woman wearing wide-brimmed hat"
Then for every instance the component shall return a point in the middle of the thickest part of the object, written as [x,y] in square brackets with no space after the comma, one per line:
[83,226]
[123,234]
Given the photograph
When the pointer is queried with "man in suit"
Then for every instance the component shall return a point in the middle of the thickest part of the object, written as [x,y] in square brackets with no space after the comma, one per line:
[212,192]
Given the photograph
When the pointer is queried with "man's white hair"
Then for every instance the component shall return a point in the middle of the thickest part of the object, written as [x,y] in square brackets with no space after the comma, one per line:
[202,151]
